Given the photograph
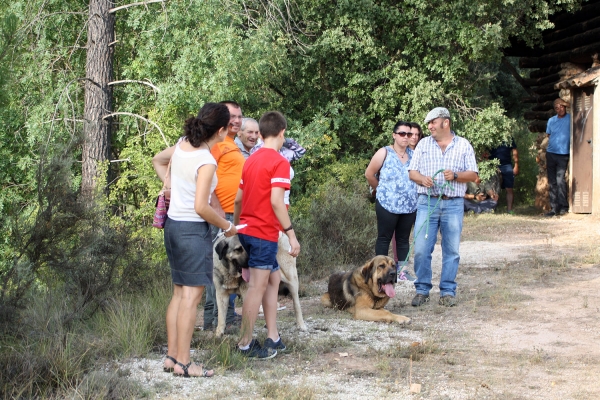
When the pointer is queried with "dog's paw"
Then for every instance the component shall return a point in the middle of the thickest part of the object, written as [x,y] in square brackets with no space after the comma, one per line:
[402,320]
[302,327]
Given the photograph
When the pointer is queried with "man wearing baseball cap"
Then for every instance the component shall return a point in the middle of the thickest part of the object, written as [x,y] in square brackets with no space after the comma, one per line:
[454,156]
[557,157]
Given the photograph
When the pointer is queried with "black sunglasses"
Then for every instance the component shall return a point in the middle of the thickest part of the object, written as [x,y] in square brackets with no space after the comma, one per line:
[402,134]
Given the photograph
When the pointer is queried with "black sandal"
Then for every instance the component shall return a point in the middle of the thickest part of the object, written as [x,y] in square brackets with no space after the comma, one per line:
[169,369]
[187,375]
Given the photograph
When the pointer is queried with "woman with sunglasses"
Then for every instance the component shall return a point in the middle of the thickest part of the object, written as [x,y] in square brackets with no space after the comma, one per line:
[417,135]
[396,197]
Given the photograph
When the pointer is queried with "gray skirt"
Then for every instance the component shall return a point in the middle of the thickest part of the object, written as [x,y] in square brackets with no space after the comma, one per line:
[190,252]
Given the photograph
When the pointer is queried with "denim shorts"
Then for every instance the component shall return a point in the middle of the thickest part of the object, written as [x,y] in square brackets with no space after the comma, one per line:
[508,178]
[262,254]
[190,252]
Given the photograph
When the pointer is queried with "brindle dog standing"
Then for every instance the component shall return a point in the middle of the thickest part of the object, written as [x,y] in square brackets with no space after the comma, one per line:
[229,257]
[364,291]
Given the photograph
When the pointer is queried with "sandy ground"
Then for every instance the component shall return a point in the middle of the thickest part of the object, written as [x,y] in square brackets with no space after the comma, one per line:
[526,327]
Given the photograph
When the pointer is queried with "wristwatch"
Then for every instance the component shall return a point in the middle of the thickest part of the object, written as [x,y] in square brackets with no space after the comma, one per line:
[455,176]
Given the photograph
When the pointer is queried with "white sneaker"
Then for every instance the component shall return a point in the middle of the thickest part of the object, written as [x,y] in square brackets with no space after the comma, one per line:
[279,308]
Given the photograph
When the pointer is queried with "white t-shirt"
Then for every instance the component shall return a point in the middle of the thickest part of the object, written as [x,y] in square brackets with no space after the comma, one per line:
[184,172]
[286,195]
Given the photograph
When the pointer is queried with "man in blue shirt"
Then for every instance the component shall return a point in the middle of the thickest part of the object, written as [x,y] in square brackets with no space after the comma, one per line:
[557,157]
[442,206]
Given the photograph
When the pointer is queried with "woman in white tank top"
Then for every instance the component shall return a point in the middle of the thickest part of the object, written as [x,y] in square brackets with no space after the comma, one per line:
[187,232]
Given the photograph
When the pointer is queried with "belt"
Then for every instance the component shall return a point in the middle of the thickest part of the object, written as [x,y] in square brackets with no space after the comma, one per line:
[444,197]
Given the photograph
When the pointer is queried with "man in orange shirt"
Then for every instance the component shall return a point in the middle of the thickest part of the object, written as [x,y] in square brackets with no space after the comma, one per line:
[230,162]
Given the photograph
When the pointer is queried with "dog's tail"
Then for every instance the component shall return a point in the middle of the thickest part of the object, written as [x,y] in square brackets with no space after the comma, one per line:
[326,301]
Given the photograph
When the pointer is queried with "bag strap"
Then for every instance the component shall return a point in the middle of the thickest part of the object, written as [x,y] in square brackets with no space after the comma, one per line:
[167,181]
[386,154]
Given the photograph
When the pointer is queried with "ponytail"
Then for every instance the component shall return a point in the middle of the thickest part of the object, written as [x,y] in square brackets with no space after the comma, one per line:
[211,118]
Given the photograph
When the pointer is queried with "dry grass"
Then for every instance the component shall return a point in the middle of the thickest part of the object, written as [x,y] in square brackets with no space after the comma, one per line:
[279,391]
[525,327]
[497,227]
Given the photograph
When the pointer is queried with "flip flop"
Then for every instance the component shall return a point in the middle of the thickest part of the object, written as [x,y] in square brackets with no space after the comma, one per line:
[169,369]
[187,375]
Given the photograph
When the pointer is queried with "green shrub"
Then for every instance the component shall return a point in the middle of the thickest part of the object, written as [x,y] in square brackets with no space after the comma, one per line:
[339,227]
[64,243]
[526,181]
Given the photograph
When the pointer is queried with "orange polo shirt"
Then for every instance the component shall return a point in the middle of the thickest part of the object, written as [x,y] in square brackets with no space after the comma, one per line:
[230,162]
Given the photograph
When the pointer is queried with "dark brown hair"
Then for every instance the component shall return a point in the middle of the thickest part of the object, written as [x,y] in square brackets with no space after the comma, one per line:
[401,123]
[271,123]
[211,118]
[415,125]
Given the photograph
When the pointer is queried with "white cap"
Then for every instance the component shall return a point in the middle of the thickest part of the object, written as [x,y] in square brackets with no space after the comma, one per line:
[438,112]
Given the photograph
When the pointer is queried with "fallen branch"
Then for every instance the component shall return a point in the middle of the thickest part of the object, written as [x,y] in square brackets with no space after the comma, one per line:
[513,71]
[142,118]
[157,90]
[140,3]
[63,119]
[465,111]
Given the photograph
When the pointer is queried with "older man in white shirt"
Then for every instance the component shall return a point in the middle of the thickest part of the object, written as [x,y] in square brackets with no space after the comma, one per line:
[438,159]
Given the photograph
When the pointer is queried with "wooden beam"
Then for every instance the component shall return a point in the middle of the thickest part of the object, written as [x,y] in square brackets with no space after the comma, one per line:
[555,35]
[545,106]
[538,126]
[570,42]
[560,57]
[573,34]
[543,80]
[541,98]
[541,115]
[545,71]
[545,89]
[566,19]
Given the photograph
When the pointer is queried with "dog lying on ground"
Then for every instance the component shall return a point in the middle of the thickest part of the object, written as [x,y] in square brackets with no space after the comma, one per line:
[229,257]
[364,291]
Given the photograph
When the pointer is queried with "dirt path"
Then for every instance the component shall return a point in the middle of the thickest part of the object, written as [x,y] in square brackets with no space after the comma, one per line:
[526,327]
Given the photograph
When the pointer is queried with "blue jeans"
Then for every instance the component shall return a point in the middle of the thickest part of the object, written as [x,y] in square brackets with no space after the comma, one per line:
[508,177]
[479,207]
[557,165]
[447,218]
[262,254]
[210,305]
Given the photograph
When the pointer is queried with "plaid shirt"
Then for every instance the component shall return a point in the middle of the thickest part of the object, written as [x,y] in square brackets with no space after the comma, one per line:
[429,158]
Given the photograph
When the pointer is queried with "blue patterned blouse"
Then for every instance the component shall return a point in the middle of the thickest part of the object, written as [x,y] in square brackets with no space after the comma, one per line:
[395,191]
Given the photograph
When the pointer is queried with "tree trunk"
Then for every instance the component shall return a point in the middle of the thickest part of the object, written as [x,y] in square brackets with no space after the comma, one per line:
[98,94]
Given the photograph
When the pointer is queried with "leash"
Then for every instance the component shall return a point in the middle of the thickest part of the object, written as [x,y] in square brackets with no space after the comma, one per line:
[221,232]
[429,212]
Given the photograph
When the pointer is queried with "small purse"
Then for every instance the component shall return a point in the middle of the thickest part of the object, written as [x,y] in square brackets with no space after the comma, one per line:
[162,202]
[160,215]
